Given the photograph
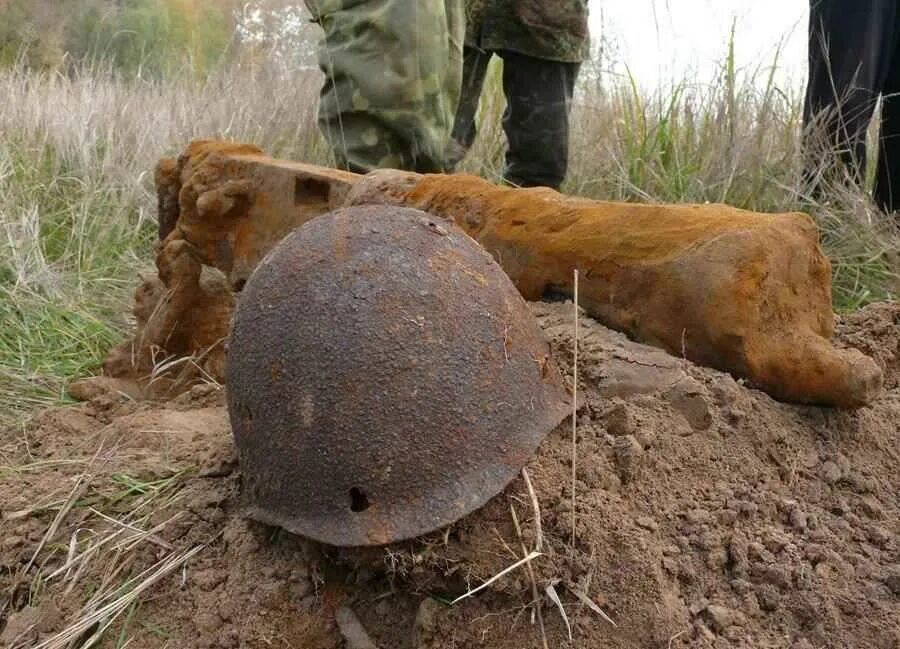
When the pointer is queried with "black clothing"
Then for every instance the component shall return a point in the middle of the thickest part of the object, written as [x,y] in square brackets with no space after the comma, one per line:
[536,120]
[854,57]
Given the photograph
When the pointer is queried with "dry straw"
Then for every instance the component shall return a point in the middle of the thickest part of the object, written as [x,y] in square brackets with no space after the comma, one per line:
[574,409]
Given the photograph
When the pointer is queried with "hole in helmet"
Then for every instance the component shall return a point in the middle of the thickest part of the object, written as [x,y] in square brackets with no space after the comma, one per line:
[358,500]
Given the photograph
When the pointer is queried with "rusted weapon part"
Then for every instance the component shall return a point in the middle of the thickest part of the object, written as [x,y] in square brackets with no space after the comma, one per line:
[385,378]
[740,291]
[221,207]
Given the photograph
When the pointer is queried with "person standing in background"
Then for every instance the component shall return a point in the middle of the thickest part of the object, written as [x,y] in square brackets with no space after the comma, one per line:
[854,57]
[542,44]
[393,71]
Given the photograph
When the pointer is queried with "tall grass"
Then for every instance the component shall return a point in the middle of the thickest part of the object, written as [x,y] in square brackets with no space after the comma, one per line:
[77,203]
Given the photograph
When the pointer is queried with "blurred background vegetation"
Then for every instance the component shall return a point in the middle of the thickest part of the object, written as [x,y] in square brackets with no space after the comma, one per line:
[152,37]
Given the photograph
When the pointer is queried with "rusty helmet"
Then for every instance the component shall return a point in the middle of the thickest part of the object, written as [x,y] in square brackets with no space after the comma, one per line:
[385,378]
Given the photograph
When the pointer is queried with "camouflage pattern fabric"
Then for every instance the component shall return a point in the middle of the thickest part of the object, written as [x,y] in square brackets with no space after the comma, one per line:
[556,30]
[393,70]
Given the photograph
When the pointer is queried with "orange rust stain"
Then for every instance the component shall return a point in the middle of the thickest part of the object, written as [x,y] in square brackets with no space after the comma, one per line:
[448,260]
[166,166]
[622,232]
[258,157]
[201,148]
[341,251]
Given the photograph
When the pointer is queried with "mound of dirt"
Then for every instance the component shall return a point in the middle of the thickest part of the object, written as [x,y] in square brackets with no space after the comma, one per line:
[706,514]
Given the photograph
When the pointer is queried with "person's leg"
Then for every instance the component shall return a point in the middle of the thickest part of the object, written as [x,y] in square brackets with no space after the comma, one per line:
[536,121]
[887,177]
[475,65]
[393,70]
[848,55]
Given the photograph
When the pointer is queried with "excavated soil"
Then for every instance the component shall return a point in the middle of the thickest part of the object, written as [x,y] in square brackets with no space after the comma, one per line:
[706,515]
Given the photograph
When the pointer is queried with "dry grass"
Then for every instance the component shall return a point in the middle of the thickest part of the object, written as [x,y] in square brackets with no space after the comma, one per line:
[574,408]
[93,546]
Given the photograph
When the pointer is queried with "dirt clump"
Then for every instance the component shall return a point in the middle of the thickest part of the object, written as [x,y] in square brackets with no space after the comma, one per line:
[180,330]
[876,331]
[706,515]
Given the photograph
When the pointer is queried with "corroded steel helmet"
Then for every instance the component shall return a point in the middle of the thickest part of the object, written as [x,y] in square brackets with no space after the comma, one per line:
[385,378]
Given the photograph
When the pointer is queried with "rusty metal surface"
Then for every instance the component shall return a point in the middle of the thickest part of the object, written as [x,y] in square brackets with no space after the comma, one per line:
[385,378]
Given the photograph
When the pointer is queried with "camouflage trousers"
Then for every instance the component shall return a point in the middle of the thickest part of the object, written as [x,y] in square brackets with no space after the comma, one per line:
[393,70]
[536,120]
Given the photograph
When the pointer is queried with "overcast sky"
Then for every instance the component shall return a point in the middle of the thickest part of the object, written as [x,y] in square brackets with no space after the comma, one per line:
[664,39]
